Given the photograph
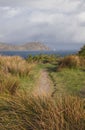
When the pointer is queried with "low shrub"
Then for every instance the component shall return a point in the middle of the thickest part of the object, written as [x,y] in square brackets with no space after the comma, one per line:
[42,58]
[82,51]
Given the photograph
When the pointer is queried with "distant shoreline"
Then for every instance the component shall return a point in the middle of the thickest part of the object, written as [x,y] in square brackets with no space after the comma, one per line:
[25,54]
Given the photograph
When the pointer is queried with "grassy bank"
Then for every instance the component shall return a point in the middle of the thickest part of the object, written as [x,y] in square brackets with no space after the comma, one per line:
[21,110]
[17,75]
[69,80]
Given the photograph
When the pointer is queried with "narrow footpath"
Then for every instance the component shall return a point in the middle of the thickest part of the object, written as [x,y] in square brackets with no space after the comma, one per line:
[44,85]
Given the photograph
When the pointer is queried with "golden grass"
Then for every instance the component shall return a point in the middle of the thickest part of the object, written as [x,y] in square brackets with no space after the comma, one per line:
[8,83]
[21,112]
[35,113]
[15,65]
[70,62]
[82,61]
[11,68]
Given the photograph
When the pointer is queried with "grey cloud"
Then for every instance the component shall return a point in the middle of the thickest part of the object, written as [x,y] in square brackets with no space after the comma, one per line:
[52,22]
[82,24]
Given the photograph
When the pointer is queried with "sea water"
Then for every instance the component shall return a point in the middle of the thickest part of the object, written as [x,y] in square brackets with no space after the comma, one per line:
[25,54]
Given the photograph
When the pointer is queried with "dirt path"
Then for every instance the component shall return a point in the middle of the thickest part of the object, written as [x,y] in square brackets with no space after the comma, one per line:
[44,86]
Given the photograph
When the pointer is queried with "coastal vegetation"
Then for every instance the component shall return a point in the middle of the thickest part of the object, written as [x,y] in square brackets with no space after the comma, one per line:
[23,105]
[82,51]
[42,58]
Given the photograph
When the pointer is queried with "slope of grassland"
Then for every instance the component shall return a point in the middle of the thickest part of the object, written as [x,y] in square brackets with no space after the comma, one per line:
[70,81]
[21,109]
[16,75]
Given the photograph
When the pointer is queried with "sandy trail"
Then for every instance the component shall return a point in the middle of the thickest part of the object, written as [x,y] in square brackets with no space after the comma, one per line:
[44,85]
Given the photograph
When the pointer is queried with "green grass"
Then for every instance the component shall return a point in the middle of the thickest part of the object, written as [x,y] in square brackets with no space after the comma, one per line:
[23,111]
[71,81]
[28,83]
[68,80]
[48,66]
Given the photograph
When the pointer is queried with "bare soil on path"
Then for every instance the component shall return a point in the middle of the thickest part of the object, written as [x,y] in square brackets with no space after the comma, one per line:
[44,85]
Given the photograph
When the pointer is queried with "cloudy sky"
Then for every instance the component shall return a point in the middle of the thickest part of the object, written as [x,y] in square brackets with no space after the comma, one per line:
[57,23]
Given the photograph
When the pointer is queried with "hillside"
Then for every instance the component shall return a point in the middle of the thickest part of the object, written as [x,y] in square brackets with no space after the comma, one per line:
[32,46]
[82,51]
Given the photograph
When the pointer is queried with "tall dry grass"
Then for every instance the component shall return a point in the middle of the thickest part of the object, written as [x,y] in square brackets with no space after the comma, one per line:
[72,61]
[82,61]
[15,65]
[69,62]
[11,68]
[35,113]
[8,83]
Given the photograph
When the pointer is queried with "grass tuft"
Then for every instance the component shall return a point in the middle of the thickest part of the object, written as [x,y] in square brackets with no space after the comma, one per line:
[69,62]
[35,113]
[15,65]
[8,83]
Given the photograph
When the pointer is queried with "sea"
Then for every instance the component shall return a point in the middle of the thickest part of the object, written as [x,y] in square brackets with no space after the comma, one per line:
[25,54]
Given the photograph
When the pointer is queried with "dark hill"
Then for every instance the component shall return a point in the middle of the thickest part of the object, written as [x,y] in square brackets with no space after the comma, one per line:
[82,51]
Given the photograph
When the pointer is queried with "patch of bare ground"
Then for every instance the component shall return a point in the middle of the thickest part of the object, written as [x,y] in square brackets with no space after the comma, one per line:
[44,85]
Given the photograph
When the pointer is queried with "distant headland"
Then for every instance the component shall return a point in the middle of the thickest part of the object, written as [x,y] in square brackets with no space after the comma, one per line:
[30,46]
